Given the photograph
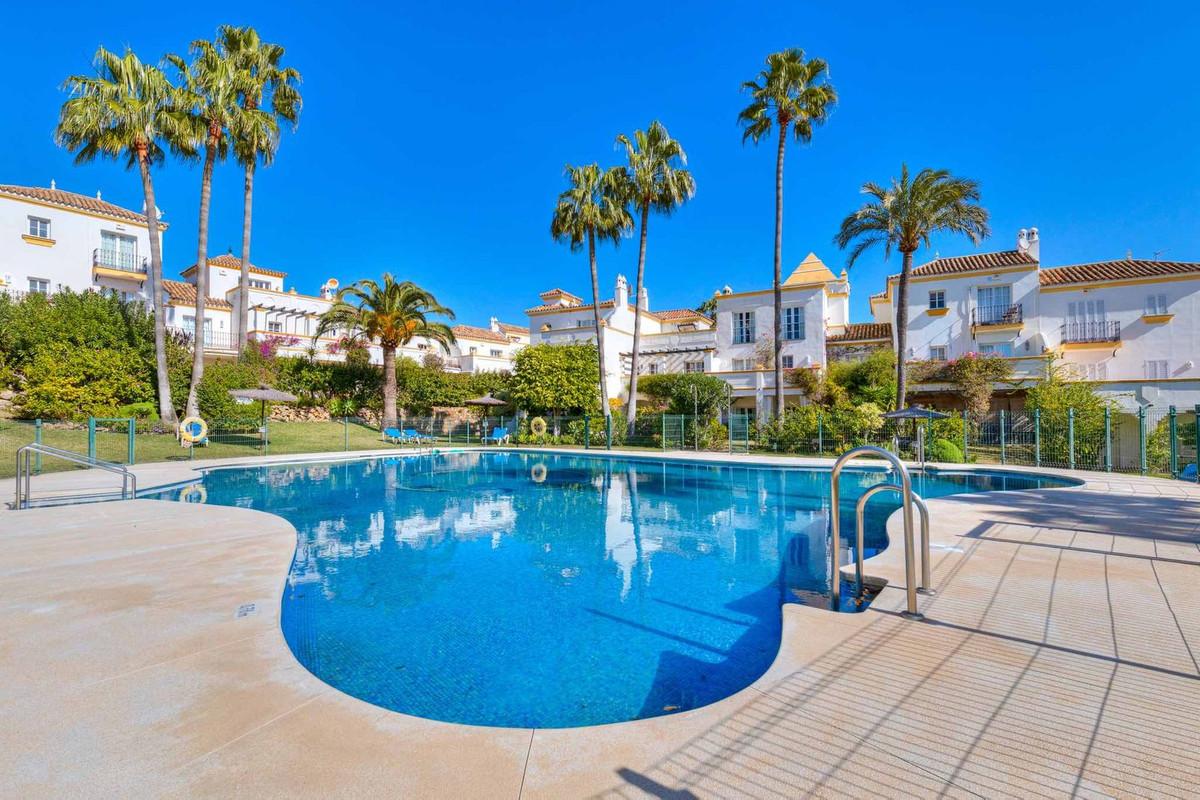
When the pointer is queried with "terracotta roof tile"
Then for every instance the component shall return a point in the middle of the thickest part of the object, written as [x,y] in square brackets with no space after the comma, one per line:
[184,294]
[1123,269]
[556,307]
[75,202]
[975,262]
[478,334]
[515,329]
[230,261]
[861,332]
[680,313]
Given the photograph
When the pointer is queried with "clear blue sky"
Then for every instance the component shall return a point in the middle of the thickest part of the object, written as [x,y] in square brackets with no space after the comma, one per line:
[433,136]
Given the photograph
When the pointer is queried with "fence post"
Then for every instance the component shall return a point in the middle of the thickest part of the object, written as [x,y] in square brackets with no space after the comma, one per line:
[1037,437]
[1142,439]
[608,431]
[1071,438]
[132,431]
[1174,431]
[1003,455]
[664,431]
[37,437]
[267,436]
[820,433]
[966,459]
[92,438]
[1196,420]
[1107,439]
[345,433]
[587,432]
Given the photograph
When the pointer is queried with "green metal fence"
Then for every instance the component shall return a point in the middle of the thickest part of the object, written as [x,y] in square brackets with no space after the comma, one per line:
[1151,441]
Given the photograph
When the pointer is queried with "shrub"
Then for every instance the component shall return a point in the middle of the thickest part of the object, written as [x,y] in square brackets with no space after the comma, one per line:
[142,411]
[686,393]
[556,377]
[65,381]
[945,451]
[213,397]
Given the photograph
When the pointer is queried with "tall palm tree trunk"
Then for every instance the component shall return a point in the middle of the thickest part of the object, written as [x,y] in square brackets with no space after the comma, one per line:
[631,410]
[166,409]
[901,316]
[604,407]
[210,157]
[244,280]
[389,387]
[778,284]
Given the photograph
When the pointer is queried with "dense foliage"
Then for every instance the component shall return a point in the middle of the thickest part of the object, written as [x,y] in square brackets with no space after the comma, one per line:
[1054,398]
[556,377]
[686,393]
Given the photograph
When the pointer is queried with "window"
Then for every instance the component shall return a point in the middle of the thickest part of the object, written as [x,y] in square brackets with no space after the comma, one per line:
[1000,349]
[497,354]
[693,366]
[582,323]
[275,327]
[742,364]
[787,362]
[937,299]
[1156,304]
[1156,370]
[743,327]
[39,286]
[652,368]
[257,284]
[994,304]
[937,352]
[793,323]
[39,227]
[422,347]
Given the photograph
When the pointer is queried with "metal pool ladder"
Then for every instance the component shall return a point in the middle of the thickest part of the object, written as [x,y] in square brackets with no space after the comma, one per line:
[908,499]
[25,471]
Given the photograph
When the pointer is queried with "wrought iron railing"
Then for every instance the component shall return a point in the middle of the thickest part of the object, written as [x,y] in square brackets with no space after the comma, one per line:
[213,340]
[114,259]
[996,315]
[1079,332]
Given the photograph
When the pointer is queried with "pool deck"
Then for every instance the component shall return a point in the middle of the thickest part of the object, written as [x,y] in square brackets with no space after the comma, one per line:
[141,656]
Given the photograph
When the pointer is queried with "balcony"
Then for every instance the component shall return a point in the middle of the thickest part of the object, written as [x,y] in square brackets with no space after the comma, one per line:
[223,341]
[997,316]
[123,264]
[1091,332]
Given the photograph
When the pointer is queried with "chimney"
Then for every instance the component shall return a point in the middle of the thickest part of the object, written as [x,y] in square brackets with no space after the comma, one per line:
[622,293]
[97,194]
[494,325]
[1028,244]
[644,299]
[53,185]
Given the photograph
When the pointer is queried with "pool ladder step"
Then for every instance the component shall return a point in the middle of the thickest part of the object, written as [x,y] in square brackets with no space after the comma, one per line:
[908,499]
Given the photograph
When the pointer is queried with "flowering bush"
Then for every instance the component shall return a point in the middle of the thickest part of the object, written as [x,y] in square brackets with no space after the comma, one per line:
[269,346]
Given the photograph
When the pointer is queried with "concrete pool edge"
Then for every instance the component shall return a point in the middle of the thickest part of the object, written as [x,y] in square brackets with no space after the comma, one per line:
[599,747]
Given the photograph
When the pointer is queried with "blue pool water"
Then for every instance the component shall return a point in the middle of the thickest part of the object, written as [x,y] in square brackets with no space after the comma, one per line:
[535,590]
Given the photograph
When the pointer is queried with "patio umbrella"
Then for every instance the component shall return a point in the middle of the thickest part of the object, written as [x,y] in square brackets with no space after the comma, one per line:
[486,402]
[915,412]
[264,394]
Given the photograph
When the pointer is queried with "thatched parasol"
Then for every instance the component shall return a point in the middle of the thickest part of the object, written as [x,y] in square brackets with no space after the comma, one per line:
[264,394]
[915,412]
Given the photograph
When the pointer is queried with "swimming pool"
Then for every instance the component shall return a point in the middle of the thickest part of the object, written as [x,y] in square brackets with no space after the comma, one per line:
[540,590]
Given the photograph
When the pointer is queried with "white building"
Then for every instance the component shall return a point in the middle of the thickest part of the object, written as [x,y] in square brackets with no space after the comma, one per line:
[1131,325]
[52,239]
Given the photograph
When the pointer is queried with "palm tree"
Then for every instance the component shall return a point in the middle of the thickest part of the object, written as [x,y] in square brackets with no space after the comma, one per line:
[590,209]
[654,180]
[211,87]
[791,93]
[267,84]
[130,110]
[903,216]
[390,315]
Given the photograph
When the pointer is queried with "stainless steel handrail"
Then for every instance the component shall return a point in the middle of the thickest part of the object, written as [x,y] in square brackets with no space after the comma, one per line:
[860,512]
[25,471]
[910,567]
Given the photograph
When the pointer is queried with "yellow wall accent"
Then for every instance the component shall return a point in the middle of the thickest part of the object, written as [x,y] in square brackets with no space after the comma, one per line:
[1014,326]
[109,272]
[38,240]
[1155,319]
[1089,345]
[937,312]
